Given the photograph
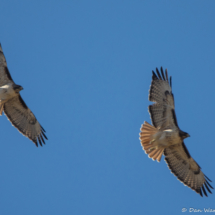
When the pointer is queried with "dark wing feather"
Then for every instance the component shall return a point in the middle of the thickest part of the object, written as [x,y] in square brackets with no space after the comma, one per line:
[186,169]
[162,112]
[5,76]
[163,74]
[24,120]
[166,75]
[158,73]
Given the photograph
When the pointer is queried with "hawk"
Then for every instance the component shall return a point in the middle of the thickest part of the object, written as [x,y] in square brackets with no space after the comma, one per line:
[164,137]
[15,108]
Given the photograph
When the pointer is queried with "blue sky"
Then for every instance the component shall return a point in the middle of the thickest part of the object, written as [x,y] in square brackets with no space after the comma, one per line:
[85,67]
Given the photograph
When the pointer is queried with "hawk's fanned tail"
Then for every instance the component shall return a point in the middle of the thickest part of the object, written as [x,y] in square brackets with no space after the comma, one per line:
[146,133]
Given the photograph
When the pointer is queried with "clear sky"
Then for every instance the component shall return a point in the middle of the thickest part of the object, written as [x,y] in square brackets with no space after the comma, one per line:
[85,67]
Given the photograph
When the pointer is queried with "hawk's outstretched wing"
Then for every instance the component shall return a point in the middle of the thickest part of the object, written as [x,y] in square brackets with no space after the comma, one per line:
[24,120]
[5,76]
[162,112]
[186,169]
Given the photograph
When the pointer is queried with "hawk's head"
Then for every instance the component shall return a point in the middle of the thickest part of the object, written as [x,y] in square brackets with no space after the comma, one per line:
[17,88]
[183,134]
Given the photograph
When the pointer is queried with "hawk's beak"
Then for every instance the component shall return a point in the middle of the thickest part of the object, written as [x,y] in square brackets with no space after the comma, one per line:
[18,87]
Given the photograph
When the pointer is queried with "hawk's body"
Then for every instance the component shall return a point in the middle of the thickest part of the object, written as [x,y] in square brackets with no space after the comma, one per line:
[15,108]
[165,136]
[6,92]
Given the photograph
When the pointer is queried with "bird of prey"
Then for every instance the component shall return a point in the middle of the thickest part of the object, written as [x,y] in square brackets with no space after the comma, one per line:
[165,137]
[15,108]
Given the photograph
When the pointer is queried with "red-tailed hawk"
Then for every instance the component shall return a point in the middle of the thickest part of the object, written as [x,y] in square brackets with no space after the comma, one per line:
[15,108]
[165,136]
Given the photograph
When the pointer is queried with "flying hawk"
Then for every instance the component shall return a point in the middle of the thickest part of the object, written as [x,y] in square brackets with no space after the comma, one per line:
[165,136]
[15,108]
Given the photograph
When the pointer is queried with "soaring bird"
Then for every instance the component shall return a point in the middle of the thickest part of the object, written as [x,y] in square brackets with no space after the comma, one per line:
[164,137]
[15,108]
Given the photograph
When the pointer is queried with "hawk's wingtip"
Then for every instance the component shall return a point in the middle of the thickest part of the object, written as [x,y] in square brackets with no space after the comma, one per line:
[154,76]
